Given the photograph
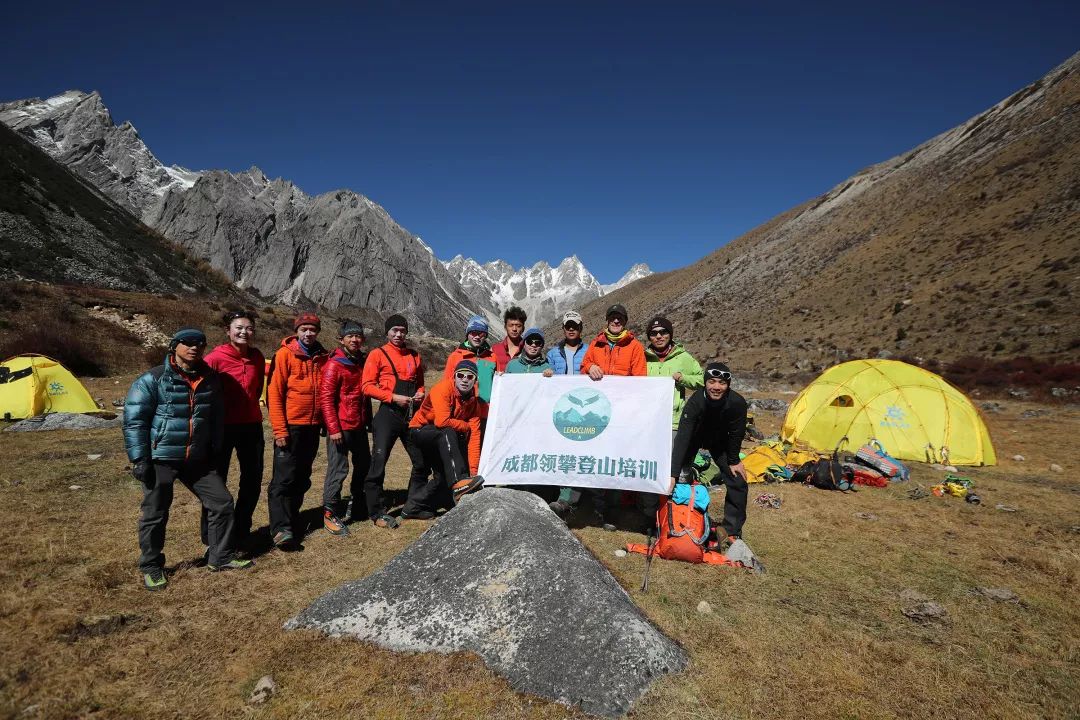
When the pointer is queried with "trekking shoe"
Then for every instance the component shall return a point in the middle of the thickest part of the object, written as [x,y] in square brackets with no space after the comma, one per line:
[417,514]
[155,580]
[333,524]
[284,540]
[562,509]
[387,522]
[234,564]
[601,520]
[467,485]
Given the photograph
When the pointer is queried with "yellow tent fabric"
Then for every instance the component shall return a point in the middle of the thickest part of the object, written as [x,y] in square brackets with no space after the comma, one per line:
[915,414]
[35,384]
[757,462]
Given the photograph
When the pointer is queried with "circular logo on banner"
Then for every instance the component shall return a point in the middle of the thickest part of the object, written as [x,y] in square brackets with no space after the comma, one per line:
[581,414]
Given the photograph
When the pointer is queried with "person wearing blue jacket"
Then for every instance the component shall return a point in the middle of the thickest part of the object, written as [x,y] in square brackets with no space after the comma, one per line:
[565,356]
[531,359]
[174,425]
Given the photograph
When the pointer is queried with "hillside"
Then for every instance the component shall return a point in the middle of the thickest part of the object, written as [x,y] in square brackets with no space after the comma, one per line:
[967,245]
[57,228]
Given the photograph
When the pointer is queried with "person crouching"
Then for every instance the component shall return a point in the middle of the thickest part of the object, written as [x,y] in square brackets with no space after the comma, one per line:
[445,442]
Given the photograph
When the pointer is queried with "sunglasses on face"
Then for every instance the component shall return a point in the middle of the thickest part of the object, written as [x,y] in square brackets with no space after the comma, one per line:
[718,375]
[535,343]
[658,333]
[465,376]
[199,345]
[572,326]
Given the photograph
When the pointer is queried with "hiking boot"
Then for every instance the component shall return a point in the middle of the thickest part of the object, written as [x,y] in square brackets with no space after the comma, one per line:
[387,522]
[234,564]
[562,509]
[155,580]
[284,540]
[333,524]
[417,514]
[602,520]
[467,485]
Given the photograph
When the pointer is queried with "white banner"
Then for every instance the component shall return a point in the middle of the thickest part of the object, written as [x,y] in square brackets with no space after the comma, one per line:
[577,432]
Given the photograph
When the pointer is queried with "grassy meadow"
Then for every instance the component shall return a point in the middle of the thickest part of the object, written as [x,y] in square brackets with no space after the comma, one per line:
[820,635]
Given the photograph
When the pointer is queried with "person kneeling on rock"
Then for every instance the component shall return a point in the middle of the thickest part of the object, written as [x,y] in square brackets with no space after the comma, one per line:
[445,442]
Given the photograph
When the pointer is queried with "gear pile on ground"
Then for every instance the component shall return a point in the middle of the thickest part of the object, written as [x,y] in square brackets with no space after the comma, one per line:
[501,576]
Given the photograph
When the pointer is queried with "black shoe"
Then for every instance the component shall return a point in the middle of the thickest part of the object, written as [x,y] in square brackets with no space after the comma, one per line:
[562,509]
[416,514]
[600,519]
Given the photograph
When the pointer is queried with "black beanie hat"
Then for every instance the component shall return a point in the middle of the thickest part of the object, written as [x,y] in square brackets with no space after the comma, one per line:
[658,323]
[396,320]
[350,327]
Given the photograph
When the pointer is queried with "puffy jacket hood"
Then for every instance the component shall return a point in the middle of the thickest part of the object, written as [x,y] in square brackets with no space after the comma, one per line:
[293,344]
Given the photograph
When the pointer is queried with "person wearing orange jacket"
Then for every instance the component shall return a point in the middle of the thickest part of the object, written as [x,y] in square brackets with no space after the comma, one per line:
[475,347]
[615,351]
[445,435]
[393,375]
[346,413]
[292,399]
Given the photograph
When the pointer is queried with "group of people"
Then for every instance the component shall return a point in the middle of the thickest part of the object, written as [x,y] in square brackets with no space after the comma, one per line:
[184,420]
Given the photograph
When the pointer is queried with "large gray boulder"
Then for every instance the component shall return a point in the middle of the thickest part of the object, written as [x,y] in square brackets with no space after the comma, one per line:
[501,576]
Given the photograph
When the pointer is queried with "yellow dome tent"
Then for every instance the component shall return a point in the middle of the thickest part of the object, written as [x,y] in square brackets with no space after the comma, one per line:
[34,385]
[915,414]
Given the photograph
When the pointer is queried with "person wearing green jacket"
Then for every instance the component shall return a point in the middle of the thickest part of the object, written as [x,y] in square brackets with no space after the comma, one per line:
[665,357]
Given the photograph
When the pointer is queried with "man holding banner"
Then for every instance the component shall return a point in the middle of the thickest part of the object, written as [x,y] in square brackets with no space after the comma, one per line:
[715,418]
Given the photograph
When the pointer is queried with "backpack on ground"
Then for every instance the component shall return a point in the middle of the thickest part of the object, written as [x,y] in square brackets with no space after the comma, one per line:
[827,473]
[682,524]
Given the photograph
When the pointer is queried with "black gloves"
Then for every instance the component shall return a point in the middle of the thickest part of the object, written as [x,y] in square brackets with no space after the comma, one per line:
[142,471]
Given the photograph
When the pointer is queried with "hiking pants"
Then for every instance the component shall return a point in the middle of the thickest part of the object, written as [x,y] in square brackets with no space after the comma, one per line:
[387,427]
[441,452]
[734,497]
[247,440]
[353,443]
[202,479]
[291,479]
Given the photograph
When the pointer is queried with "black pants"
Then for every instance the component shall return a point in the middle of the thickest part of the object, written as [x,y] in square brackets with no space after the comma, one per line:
[354,443]
[734,497]
[247,440]
[442,453]
[200,478]
[291,479]
[387,427]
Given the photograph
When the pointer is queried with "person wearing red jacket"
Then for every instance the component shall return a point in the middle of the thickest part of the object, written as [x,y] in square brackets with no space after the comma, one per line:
[243,372]
[346,413]
[292,399]
[445,435]
[393,375]
[510,347]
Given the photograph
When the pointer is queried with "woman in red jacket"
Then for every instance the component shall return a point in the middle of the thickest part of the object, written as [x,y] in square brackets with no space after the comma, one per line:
[243,371]
[346,413]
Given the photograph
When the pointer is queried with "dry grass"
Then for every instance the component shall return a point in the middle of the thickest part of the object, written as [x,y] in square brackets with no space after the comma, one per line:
[821,635]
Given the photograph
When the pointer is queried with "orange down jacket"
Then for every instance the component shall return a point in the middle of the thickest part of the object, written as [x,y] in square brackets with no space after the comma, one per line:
[292,396]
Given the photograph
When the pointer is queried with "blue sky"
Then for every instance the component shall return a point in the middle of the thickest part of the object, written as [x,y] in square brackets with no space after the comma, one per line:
[620,131]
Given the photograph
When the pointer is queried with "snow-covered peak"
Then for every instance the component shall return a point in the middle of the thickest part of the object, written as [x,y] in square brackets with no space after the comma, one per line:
[635,273]
[543,291]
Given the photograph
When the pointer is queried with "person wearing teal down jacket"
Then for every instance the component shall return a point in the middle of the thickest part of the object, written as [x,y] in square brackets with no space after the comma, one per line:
[531,359]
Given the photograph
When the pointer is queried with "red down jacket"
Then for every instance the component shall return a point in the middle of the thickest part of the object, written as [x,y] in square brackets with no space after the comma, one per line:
[343,405]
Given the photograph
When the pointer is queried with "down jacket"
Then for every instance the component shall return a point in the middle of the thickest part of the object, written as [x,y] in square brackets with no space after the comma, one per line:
[677,361]
[343,405]
[625,357]
[172,416]
[444,407]
[292,392]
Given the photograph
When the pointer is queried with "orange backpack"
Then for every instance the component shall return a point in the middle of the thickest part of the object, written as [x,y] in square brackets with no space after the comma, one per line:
[682,532]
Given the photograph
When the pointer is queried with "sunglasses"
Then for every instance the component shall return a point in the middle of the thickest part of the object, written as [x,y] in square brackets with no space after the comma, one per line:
[658,333]
[571,326]
[718,375]
[237,314]
[193,345]
[612,321]
[465,376]
[535,343]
